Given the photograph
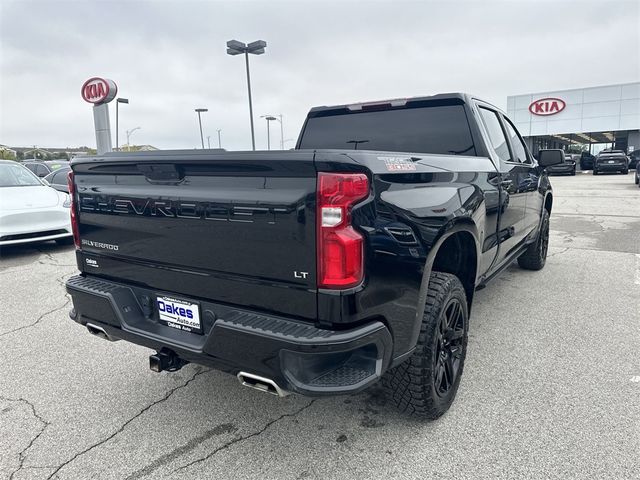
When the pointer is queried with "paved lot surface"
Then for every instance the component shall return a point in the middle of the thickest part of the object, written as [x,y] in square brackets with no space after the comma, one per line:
[551,388]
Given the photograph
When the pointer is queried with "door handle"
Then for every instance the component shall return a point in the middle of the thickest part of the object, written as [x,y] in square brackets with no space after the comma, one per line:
[499,181]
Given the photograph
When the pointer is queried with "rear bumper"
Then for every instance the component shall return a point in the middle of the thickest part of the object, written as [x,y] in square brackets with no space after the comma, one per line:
[611,167]
[562,168]
[35,237]
[298,356]
[25,226]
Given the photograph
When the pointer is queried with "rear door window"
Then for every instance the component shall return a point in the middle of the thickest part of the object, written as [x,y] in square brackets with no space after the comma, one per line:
[496,134]
[519,150]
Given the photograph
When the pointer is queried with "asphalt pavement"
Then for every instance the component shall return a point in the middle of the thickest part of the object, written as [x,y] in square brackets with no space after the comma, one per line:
[551,387]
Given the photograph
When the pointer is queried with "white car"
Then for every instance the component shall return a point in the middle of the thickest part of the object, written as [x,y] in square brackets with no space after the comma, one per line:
[29,210]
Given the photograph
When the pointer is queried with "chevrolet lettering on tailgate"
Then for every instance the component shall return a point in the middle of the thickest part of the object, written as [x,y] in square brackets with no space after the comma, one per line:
[180,209]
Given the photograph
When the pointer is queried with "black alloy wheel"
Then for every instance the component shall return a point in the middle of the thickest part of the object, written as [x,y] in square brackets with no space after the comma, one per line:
[535,256]
[448,351]
[426,384]
[544,241]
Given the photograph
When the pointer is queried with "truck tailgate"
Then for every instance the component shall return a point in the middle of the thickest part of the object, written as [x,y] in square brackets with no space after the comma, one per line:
[228,227]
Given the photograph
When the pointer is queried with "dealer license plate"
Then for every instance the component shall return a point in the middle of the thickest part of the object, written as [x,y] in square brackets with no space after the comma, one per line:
[611,161]
[179,314]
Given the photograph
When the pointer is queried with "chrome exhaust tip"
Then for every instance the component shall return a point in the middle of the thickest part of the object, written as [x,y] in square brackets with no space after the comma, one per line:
[261,383]
[97,331]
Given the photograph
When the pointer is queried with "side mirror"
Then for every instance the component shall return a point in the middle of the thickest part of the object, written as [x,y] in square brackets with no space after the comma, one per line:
[546,158]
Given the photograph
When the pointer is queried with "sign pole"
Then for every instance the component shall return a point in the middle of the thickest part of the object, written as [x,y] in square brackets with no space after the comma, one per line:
[102,126]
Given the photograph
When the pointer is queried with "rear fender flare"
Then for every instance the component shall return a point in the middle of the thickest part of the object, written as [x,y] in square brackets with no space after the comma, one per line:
[451,229]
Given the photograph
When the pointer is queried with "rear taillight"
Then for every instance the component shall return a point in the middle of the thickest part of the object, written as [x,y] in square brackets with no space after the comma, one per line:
[340,246]
[73,209]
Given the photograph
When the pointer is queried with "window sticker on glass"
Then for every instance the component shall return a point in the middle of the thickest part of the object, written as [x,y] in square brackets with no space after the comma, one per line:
[398,164]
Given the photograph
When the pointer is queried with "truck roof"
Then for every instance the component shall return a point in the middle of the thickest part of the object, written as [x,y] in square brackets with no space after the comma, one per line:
[461,98]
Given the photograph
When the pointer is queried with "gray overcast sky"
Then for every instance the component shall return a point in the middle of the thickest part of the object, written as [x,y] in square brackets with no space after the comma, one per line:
[168,57]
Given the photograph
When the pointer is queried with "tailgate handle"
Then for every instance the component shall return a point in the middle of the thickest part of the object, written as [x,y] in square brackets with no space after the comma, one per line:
[161,172]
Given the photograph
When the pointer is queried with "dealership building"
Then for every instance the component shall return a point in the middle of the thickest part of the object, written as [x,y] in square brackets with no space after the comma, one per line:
[585,119]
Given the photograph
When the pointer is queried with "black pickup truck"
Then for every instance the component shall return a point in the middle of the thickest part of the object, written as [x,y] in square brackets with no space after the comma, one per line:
[320,270]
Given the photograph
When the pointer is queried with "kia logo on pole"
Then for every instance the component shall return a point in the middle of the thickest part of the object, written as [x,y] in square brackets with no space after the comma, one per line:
[98,90]
[547,106]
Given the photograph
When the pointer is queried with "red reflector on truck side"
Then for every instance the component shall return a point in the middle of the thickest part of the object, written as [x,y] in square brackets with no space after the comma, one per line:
[73,209]
[340,246]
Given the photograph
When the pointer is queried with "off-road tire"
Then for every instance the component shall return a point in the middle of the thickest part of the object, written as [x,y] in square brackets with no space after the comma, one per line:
[535,256]
[595,172]
[625,172]
[413,385]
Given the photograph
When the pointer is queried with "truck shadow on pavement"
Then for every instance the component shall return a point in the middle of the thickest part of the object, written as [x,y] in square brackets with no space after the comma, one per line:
[24,254]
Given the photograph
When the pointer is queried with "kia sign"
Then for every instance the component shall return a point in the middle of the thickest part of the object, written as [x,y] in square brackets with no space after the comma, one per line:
[99,90]
[547,106]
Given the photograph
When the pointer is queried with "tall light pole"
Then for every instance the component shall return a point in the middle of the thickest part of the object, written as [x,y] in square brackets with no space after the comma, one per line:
[279,119]
[281,132]
[269,119]
[129,133]
[118,102]
[219,141]
[234,47]
[199,111]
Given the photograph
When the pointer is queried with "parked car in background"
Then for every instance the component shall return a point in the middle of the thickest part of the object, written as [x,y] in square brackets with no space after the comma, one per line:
[29,210]
[38,167]
[567,166]
[58,179]
[56,164]
[586,161]
[612,161]
[634,159]
[42,168]
[637,175]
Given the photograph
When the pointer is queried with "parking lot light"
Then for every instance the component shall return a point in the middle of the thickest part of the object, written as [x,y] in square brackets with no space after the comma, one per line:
[268,118]
[200,111]
[129,133]
[234,47]
[118,102]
